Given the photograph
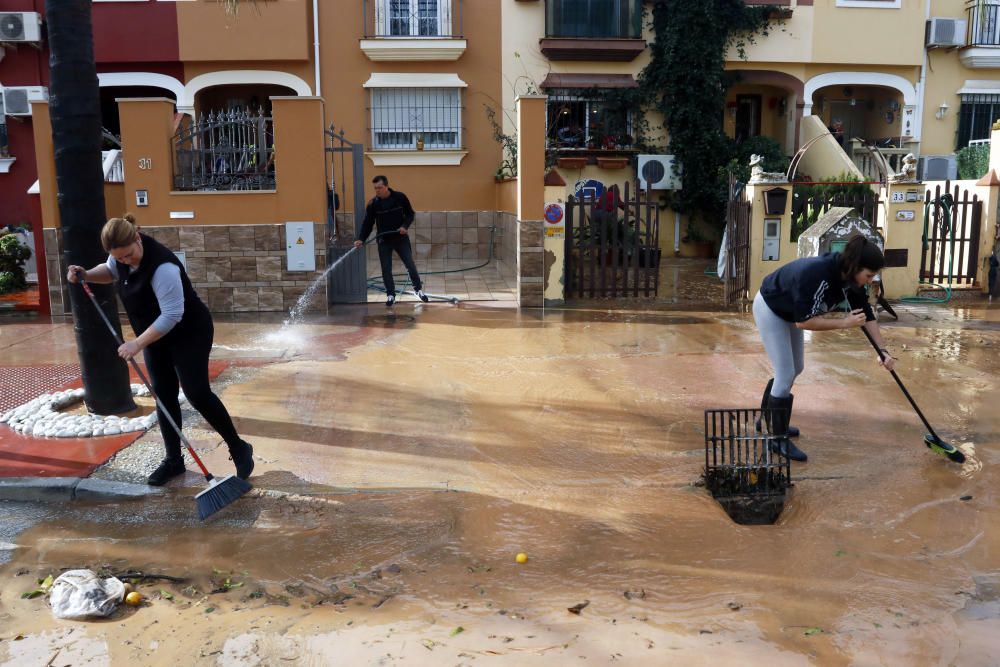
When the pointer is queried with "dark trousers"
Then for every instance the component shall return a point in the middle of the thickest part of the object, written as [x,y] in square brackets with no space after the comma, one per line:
[183,363]
[401,245]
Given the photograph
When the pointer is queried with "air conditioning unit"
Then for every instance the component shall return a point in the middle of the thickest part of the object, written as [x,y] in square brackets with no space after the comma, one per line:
[944,32]
[937,167]
[17,99]
[656,172]
[20,27]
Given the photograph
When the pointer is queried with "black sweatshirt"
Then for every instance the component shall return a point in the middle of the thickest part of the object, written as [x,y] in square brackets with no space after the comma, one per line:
[811,286]
[387,215]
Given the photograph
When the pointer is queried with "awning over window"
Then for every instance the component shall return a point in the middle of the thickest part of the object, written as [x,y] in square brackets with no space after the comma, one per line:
[979,87]
[589,81]
[392,80]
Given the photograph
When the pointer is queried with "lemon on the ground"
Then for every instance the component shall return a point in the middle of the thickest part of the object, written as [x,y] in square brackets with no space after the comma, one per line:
[133,598]
[521,558]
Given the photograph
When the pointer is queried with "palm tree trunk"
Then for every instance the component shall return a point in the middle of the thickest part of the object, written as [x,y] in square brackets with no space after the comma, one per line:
[76,137]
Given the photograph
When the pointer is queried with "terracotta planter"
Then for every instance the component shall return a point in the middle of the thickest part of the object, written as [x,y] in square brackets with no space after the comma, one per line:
[612,162]
[572,162]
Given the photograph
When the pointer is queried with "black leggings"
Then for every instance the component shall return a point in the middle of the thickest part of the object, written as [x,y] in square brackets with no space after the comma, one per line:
[402,247]
[183,363]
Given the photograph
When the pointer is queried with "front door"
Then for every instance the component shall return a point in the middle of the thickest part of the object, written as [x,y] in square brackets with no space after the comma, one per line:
[747,117]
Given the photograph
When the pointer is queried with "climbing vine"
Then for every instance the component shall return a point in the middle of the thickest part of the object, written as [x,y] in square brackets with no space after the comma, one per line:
[686,80]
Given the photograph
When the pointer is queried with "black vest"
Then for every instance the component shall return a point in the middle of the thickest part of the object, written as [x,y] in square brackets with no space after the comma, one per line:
[136,292]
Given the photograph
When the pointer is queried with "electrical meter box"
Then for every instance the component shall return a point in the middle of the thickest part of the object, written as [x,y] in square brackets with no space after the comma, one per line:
[772,239]
[300,246]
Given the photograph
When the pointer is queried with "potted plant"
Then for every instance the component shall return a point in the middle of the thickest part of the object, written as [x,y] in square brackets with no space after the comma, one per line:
[12,258]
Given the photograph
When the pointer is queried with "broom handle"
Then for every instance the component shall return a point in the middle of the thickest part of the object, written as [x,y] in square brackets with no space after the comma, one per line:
[895,377]
[142,376]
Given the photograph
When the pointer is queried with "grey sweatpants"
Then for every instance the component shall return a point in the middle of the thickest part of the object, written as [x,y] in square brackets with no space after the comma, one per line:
[784,344]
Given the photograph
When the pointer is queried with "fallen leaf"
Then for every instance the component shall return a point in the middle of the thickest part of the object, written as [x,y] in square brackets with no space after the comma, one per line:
[31,595]
[166,595]
[577,608]
[209,610]
[839,553]
[429,644]
[457,630]
[813,631]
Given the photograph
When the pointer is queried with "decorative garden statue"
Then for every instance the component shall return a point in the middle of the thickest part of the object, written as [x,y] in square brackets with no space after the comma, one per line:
[908,172]
[758,175]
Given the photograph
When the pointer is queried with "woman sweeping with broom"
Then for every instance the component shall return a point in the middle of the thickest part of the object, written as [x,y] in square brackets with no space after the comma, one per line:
[174,332]
[792,300]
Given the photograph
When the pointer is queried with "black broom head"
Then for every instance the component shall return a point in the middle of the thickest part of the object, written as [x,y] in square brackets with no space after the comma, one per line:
[220,494]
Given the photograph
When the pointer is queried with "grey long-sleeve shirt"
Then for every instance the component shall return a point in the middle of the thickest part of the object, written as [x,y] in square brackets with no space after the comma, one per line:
[169,292]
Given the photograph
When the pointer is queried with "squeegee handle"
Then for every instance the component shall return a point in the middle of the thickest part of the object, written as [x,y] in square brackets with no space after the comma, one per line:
[881,355]
[142,376]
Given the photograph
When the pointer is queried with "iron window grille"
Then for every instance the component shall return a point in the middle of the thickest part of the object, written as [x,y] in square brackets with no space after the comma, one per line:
[621,19]
[416,119]
[976,116]
[583,121]
[984,23]
[412,18]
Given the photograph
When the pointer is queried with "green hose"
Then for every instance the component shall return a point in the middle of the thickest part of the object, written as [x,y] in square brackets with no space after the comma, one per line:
[946,202]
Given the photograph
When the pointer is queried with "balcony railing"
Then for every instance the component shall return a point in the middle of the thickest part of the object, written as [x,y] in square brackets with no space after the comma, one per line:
[412,19]
[600,19]
[984,23]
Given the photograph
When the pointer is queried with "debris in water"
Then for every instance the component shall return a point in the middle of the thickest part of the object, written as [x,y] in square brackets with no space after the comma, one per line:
[813,631]
[576,609]
[636,595]
[735,606]
[966,498]
[457,631]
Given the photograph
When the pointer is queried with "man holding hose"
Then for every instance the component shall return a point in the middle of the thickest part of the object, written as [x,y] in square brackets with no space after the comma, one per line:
[391,213]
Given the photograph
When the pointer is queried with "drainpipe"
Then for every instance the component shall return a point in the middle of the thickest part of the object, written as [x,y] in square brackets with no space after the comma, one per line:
[317,88]
[677,231]
[921,91]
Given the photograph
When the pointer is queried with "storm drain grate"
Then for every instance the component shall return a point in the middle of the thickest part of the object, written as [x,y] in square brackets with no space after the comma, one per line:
[741,471]
[23,383]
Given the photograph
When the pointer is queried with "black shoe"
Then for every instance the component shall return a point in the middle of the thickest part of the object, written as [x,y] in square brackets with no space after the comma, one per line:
[167,470]
[390,300]
[242,456]
[423,297]
[780,411]
[787,448]
[792,431]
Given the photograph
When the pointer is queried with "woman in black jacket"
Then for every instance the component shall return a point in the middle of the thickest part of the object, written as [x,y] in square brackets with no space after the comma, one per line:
[792,300]
[174,332]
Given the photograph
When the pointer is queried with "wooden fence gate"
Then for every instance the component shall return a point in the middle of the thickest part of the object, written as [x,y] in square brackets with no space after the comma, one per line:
[952,222]
[613,245]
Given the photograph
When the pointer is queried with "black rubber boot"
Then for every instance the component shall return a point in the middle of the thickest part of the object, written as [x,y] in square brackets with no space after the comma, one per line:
[167,470]
[781,410]
[242,456]
[792,431]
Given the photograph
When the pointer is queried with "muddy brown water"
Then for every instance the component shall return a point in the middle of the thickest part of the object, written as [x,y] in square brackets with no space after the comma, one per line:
[436,452]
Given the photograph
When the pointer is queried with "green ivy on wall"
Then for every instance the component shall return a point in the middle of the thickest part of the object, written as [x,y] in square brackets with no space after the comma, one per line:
[686,80]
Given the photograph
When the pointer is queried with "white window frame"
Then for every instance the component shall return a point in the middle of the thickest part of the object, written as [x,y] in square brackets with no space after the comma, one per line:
[383,19]
[416,118]
[871,4]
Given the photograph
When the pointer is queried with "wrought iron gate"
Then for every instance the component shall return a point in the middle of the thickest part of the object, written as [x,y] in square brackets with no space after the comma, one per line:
[608,255]
[737,268]
[346,164]
[952,225]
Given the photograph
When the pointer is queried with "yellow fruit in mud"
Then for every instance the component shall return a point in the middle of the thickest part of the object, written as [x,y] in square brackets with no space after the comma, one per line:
[133,599]
[521,558]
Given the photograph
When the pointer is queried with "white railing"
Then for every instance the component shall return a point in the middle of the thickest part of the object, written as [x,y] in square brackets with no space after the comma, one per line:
[114,168]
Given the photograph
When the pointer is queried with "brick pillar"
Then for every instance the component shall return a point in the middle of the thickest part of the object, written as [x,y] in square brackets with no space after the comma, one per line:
[530,200]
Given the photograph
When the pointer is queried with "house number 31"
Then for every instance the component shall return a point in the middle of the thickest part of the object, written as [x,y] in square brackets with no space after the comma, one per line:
[145,163]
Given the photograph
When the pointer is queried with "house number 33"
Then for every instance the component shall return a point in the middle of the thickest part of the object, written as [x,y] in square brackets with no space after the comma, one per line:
[145,163]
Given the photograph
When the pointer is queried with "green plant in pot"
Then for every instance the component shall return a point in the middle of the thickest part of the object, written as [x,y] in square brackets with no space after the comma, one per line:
[12,258]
